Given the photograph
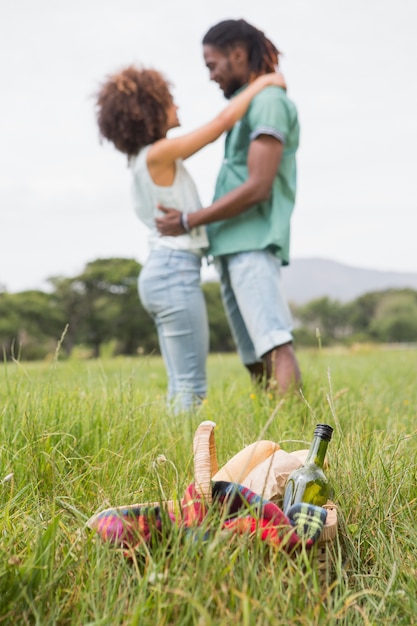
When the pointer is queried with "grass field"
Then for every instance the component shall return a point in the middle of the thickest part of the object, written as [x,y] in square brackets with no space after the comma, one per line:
[79,436]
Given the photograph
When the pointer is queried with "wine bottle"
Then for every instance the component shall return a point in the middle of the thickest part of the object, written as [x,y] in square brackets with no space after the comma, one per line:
[309,483]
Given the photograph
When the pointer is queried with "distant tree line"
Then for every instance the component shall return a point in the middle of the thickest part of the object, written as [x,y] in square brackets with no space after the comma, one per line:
[98,312]
[388,316]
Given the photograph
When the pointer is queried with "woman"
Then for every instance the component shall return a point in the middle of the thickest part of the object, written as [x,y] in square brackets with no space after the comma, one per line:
[135,111]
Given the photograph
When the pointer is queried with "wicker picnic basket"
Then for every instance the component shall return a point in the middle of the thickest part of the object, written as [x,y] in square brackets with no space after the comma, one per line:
[206,466]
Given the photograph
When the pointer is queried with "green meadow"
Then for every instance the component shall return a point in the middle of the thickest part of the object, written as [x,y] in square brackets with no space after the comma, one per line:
[77,436]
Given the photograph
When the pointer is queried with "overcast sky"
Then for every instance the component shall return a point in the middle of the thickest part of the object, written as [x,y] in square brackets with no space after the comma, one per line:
[350,67]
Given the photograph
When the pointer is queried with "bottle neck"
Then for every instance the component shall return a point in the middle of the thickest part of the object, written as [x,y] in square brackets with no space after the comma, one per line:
[317,451]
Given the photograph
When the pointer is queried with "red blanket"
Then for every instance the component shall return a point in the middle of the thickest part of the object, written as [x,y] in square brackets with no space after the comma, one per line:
[240,510]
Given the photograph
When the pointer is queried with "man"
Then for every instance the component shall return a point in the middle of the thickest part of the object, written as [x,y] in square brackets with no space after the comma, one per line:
[249,220]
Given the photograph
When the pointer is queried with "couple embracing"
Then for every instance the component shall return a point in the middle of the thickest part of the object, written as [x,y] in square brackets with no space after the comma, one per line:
[246,229]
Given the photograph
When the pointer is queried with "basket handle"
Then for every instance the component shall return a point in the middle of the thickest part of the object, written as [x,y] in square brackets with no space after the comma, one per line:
[205,459]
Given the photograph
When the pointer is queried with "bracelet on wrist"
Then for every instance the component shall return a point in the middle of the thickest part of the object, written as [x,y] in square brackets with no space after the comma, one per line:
[184,222]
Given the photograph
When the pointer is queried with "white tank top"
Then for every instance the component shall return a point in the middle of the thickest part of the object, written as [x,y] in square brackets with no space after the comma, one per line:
[181,195]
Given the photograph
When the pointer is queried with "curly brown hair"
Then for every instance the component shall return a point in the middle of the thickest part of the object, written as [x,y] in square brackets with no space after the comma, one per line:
[132,108]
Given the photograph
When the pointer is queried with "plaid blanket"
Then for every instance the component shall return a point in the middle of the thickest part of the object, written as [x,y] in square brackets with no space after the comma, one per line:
[239,509]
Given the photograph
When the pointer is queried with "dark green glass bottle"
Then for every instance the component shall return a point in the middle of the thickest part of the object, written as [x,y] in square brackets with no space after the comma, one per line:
[309,483]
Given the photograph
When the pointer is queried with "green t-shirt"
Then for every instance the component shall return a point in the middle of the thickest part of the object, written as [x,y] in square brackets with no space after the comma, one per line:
[265,225]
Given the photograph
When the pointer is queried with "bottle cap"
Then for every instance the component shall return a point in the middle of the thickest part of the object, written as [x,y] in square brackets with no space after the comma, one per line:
[324,431]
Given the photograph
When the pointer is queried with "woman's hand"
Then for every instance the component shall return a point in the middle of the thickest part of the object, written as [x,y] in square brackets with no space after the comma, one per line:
[170,225]
[274,79]
[279,80]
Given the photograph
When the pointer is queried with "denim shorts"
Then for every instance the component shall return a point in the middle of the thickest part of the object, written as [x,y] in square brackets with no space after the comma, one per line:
[170,290]
[255,304]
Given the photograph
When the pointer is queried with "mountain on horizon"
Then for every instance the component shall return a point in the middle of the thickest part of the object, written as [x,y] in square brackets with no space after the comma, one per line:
[307,279]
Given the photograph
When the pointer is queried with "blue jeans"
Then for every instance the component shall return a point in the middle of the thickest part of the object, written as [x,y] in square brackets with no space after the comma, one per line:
[256,308]
[170,291]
